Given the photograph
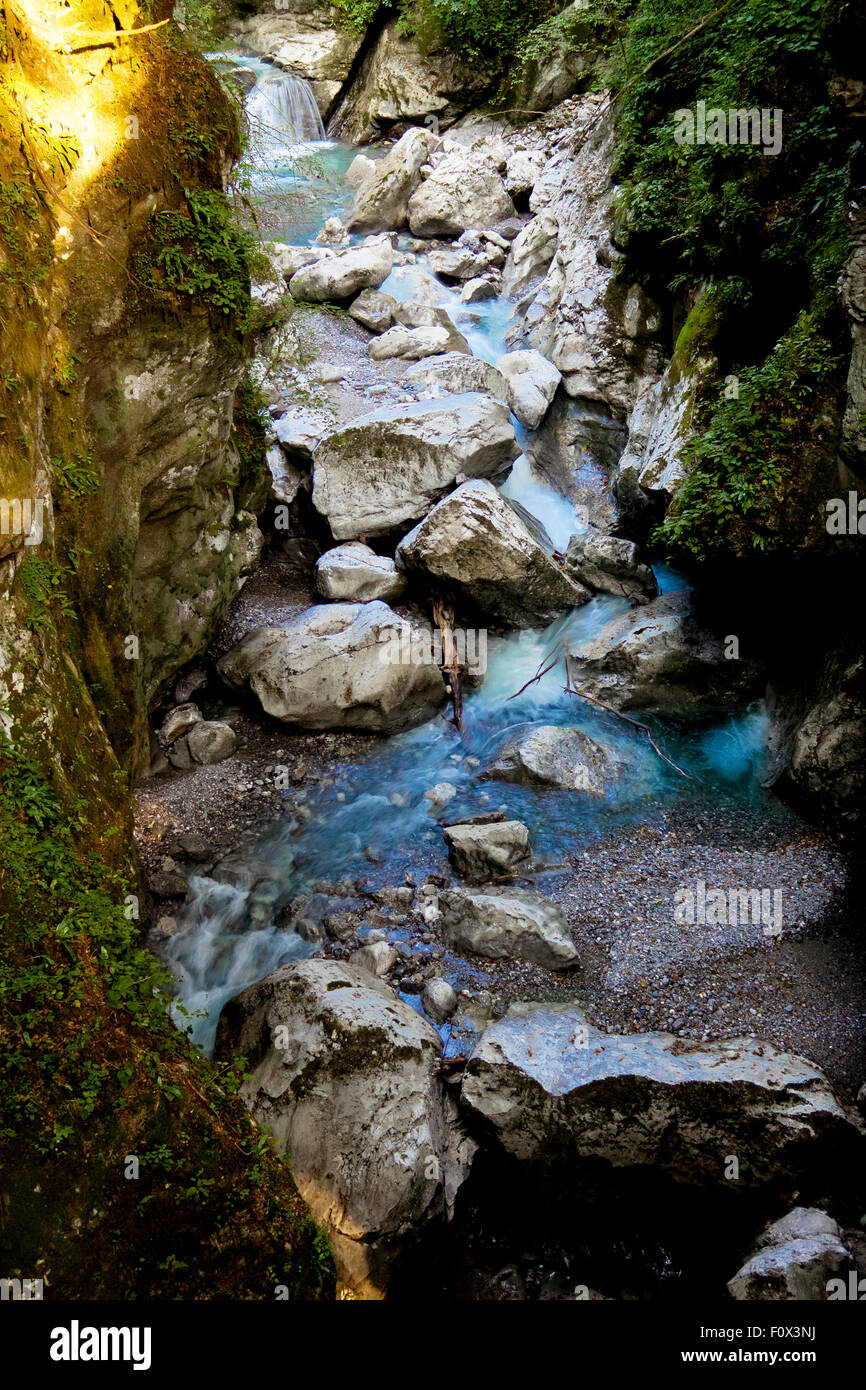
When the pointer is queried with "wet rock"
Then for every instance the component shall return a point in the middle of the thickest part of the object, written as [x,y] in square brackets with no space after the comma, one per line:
[374,310]
[475,544]
[167,883]
[532,250]
[333,233]
[456,373]
[552,756]
[357,174]
[354,573]
[342,276]
[456,262]
[555,1090]
[794,1260]
[412,314]
[609,565]
[532,383]
[464,190]
[659,659]
[410,343]
[389,467]
[477,290]
[509,924]
[345,1075]
[438,1000]
[334,666]
[440,795]
[383,198]
[377,957]
[479,851]
[211,741]
[178,722]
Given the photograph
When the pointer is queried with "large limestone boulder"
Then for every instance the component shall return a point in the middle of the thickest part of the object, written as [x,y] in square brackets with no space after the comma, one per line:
[474,544]
[307,38]
[456,372]
[531,251]
[507,924]
[555,1090]
[374,310]
[383,197]
[794,1260]
[383,469]
[411,313]
[353,573]
[335,666]
[532,383]
[485,850]
[404,80]
[410,343]
[661,660]
[464,190]
[609,565]
[551,756]
[345,1076]
[342,276]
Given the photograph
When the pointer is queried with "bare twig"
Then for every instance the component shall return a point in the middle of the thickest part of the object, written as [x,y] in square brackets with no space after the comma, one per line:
[551,659]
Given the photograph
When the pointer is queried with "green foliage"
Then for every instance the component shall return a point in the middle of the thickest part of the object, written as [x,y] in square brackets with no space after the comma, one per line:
[200,253]
[471,28]
[358,14]
[766,232]
[743,466]
[41,582]
[92,1069]
[77,475]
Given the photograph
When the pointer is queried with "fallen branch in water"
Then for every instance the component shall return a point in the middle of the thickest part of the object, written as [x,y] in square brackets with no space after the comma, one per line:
[443,619]
[548,662]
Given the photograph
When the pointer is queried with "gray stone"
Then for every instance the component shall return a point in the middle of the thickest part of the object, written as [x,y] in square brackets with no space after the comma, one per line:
[438,1000]
[551,756]
[477,290]
[331,668]
[354,573]
[474,543]
[464,190]
[178,722]
[480,851]
[211,741]
[377,957]
[532,383]
[609,565]
[556,1090]
[389,467]
[507,924]
[374,310]
[383,198]
[342,276]
[410,343]
[661,660]
[455,373]
[793,1260]
[345,1075]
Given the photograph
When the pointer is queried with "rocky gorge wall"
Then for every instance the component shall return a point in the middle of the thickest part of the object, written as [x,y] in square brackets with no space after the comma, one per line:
[127,472]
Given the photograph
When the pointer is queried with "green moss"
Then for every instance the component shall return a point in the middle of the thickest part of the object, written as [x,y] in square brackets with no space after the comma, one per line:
[198,253]
[93,1073]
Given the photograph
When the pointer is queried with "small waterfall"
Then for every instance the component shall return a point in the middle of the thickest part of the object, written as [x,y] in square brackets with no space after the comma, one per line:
[282,112]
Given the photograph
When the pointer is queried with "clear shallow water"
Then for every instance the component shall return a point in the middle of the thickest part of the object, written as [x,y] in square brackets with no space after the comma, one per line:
[375,821]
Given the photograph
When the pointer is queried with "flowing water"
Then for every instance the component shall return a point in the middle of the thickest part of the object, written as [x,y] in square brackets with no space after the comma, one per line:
[375,820]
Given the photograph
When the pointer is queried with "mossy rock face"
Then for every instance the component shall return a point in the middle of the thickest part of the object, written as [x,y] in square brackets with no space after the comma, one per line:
[117,413]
